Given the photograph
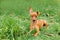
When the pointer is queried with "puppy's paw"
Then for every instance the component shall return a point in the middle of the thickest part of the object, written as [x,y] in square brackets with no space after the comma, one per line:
[35,35]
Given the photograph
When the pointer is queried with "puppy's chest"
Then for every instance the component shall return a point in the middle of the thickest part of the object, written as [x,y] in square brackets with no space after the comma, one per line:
[37,24]
[34,26]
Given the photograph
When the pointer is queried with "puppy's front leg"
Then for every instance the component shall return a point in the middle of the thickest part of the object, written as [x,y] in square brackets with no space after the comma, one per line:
[37,28]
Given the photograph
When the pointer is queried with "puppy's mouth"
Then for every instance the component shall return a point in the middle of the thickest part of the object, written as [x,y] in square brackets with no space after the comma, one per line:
[34,20]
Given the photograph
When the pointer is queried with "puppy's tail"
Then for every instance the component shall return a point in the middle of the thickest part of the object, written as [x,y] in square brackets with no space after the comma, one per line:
[30,10]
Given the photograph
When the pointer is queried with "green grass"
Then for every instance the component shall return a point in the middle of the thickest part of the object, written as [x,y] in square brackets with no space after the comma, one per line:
[15,19]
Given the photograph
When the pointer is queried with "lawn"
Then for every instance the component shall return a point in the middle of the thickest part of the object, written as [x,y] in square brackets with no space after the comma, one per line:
[15,19]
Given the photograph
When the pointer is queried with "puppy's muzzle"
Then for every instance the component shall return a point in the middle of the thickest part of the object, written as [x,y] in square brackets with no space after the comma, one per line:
[33,20]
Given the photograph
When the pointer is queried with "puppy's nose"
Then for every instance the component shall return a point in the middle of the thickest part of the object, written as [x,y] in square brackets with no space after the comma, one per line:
[33,20]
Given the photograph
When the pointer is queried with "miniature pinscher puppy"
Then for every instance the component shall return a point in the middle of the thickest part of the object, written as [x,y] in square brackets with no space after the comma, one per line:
[36,24]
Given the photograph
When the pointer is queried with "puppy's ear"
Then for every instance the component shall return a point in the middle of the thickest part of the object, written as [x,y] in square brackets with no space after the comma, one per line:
[30,10]
[38,13]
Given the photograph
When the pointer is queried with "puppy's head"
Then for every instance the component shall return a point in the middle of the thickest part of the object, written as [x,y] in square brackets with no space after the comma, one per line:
[34,14]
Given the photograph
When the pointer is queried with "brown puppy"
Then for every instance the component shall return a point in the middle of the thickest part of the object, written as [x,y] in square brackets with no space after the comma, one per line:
[36,24]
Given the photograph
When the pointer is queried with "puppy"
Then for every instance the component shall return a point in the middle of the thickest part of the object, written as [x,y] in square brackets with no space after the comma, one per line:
[36,24]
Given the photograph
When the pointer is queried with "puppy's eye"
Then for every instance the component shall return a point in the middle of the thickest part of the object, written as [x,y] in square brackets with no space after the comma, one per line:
[31,16]
[35,16]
